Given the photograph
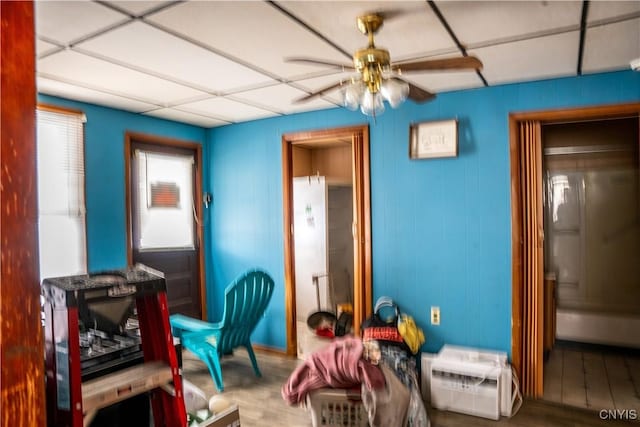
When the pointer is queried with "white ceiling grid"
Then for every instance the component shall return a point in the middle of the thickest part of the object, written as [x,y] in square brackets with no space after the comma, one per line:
[211,63]
[416,33]
[609,47]
[188,63]
[139,7]
[121,80]
[67,21]
[229,109]
[183,116]
[76,91]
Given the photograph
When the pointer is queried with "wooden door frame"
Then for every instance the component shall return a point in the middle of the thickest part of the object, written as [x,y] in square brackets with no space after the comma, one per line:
[22,377]
[517,239]
[130,138]
[359,136]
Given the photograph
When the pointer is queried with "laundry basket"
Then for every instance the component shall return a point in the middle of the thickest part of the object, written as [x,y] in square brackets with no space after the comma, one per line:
[337,407]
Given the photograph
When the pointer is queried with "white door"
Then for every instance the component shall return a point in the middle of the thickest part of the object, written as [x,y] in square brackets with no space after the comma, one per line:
[164,236]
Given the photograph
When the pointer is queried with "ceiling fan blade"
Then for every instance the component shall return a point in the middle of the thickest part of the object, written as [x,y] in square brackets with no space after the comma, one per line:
[388,14]
[416,93]
[419,95]
[325,62]
[319,92]
[459,63]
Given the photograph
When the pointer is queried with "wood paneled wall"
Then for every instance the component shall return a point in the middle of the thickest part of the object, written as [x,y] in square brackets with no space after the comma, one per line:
[334,163]
[22,355]
[301,161]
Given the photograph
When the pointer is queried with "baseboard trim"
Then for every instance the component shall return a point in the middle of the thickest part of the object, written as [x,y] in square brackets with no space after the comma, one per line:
[270,350]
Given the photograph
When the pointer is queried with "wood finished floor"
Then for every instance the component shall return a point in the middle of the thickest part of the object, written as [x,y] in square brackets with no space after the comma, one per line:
[592,379]
[261,404]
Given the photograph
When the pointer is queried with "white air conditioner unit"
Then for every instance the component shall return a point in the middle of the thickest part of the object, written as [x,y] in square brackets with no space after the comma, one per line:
[470,381]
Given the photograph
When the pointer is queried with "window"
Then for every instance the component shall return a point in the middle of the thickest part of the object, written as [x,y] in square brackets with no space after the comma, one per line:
[61,205]
[165,201]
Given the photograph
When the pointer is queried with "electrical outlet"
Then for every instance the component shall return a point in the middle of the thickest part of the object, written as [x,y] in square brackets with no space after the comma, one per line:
[435,315]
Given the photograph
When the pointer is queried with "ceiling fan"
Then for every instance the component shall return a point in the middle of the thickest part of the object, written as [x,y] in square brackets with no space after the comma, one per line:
[376,78]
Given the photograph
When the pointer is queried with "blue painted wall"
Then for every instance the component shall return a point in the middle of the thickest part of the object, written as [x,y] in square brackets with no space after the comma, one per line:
[441,228]
[104,174]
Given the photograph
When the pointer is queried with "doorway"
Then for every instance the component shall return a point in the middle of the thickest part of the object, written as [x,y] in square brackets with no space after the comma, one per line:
[592,247]
[528,308]
[326,192]
[163,183]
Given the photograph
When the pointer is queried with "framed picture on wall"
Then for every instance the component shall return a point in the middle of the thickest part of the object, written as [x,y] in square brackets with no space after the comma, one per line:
[428,140]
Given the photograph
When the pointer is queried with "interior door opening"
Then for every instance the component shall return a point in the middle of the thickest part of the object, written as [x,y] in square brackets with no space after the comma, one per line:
[530,336]
[323,243]
[327,238]
[592,247]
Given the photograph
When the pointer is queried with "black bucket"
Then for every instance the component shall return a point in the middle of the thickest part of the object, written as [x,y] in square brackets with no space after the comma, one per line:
[319,318]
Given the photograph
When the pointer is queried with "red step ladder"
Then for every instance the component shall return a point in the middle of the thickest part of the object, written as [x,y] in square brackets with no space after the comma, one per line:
[72,402]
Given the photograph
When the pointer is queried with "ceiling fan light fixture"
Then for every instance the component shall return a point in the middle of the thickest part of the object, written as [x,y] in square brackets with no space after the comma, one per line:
[366,95]
[395,91]
[352,95]
[372,104]
[377,80]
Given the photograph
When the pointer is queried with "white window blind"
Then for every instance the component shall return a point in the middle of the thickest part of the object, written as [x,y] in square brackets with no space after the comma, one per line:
[61,205]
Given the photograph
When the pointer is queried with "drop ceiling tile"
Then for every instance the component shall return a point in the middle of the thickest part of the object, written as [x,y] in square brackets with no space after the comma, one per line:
[98,74]
[477,22]
[533,59]
[599,10]
[226,109]
[66,21]
[150,49]
[281,98]
[416,31]
[138,7]
[316,83]
[184,117]
[612,46]
[43,47]
[323,79]
[442,82]
[254,32]
[78,93]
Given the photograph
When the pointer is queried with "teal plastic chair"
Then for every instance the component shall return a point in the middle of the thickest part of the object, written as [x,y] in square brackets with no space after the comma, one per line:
[245,301]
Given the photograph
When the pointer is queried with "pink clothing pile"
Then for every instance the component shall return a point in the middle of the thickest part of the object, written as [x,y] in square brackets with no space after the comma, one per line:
[339,365]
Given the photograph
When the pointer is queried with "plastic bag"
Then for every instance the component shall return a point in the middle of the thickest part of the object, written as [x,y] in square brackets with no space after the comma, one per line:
[411,333]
